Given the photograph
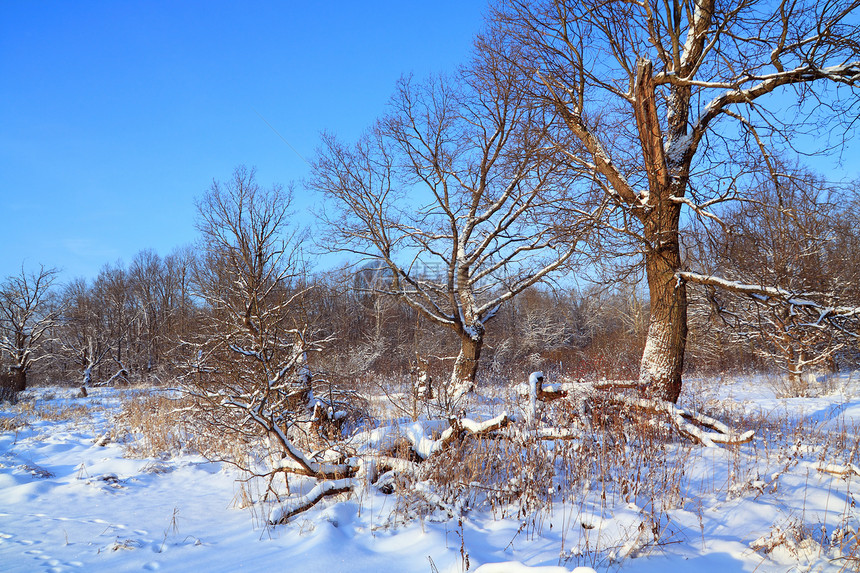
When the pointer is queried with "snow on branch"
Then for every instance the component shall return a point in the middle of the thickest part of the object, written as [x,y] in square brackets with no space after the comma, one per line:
[458,429]
[701,209]
[685,422]
[297,504]
[798,302]
[743,93]
[465,426]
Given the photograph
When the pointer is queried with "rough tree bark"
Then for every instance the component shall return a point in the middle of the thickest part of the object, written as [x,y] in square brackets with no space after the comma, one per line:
[663,359]
[466,363]
[15,380]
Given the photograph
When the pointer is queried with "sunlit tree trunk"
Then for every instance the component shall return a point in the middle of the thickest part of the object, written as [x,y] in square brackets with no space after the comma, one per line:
[466,365]
[663,359]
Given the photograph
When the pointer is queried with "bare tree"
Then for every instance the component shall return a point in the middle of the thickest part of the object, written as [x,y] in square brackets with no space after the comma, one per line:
[27,315]
[781,239]
[152,299]
[455,194]
[777,278]
[182,310]
[668,101]
[160,291]
[844,242]
[113,289]
[249,370]
[83,331]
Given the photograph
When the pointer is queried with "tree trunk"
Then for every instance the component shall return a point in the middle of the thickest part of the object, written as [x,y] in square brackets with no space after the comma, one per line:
[466,364]
[19,379]
[795,359]
[663,359]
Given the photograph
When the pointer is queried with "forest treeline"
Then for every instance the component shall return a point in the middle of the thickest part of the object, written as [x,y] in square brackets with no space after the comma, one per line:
[139,322]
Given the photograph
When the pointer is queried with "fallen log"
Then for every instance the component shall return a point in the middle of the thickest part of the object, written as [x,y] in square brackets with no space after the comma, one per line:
[695,426]
[297,504]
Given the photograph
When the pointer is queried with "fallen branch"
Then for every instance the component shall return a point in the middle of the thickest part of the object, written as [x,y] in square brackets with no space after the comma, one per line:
[464,426]
[298,504]
[382,470]
[841,471]
[722,434]
[549,433]
[688,424]
[314,469]
[551,392]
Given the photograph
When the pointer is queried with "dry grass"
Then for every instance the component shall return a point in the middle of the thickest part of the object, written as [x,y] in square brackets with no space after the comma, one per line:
[151,424]
[45,408]
[162,424]
[623,459]
[11,422]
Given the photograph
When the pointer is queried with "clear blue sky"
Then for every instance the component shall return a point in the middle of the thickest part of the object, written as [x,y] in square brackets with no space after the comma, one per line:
[114,116]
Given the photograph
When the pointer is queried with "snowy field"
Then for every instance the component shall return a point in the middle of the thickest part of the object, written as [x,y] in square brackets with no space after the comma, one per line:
[74,496]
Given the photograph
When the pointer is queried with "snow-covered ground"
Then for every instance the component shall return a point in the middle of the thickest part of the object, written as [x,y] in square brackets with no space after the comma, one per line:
[71,502]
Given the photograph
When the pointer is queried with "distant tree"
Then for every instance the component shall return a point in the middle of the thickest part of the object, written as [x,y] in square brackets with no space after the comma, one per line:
[373,331]
[791,237]
[160,290]
[113,289]
[530,329]
[181,308]
[151,295]
[83,331]
[28,314]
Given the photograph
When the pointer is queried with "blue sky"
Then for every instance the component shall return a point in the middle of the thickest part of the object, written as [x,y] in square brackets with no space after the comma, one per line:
[116,115]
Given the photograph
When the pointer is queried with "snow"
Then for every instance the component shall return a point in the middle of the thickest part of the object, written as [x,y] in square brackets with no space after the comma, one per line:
[68,504]
[514,567]
[676,148]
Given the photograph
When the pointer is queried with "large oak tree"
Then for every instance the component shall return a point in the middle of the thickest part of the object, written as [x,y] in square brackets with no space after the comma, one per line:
[673,103]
